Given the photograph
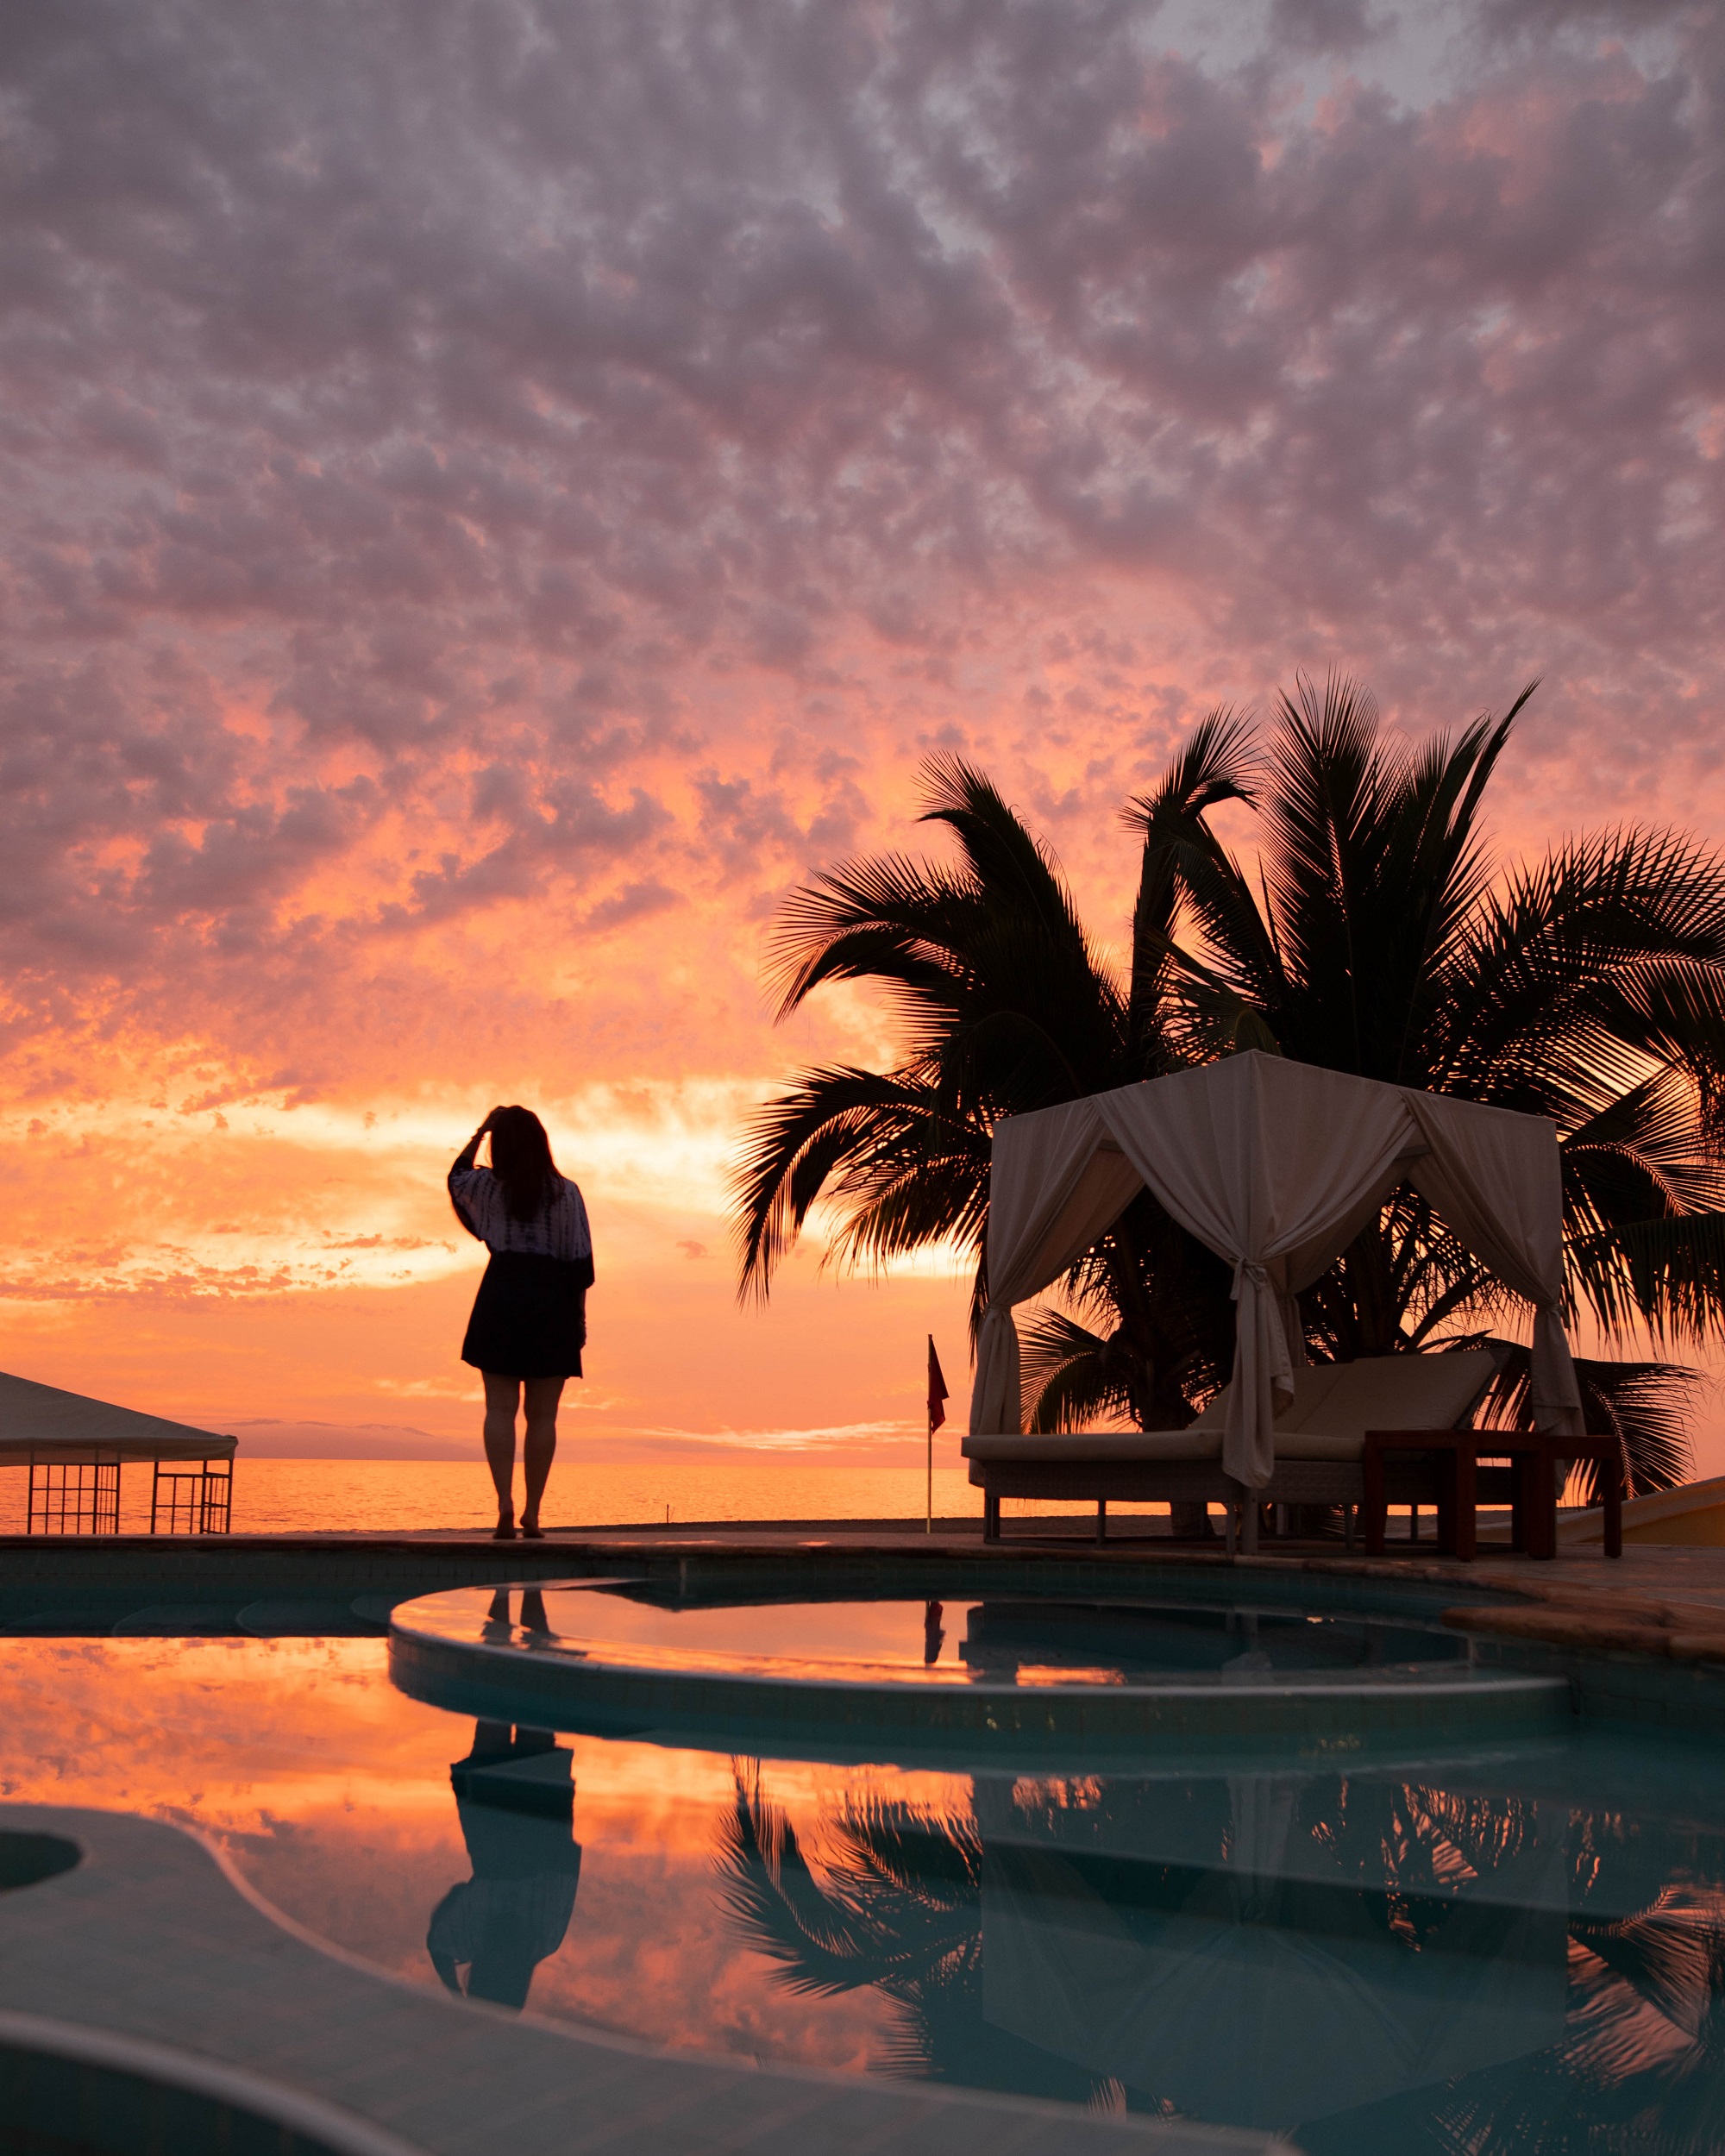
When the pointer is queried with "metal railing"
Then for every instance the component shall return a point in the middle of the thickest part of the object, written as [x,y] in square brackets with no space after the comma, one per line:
[78,1498]
[82,1497]
[195,1497]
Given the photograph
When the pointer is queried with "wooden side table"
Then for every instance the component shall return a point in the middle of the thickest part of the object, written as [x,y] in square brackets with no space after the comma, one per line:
[1457,1456]
[1532,1455]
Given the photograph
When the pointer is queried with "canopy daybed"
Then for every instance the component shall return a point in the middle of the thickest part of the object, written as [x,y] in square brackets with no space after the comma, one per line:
[74,1448]
[1276,1166]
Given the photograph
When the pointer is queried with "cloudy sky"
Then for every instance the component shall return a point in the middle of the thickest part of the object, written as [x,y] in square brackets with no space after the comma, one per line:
[494,492]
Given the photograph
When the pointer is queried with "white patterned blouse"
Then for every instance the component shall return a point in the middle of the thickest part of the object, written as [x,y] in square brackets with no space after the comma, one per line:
[558,1229]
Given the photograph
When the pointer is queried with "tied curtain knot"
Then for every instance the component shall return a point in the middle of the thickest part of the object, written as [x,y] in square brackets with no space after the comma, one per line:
[1245,1270]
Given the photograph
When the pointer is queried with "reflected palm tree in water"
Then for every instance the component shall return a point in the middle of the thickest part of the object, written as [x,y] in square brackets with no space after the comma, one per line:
[897,1907]
[1488,1914]
[1641,2066]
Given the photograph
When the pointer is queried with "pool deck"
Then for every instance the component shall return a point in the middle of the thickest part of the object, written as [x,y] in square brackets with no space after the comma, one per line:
[1667,1600]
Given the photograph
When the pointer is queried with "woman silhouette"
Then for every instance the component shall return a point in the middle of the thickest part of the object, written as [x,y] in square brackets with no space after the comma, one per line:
[529,1323]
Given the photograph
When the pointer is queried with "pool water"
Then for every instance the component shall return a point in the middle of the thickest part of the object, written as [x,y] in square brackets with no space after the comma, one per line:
[1027,1640]
[1521,1949]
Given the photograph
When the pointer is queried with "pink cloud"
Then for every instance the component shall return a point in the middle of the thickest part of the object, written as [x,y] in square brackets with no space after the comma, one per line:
[492,494]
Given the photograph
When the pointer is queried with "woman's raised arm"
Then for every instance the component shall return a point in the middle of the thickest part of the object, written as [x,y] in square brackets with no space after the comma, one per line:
[465,1157]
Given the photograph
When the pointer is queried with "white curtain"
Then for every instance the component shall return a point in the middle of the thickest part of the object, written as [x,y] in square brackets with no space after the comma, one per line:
[1051,1195]
[1276,1166]
[1504,1197]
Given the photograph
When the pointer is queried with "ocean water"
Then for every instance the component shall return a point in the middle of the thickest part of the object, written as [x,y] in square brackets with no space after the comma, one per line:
[407,1496]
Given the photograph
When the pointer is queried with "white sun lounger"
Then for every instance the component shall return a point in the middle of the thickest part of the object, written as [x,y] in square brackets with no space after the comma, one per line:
[1320,1443]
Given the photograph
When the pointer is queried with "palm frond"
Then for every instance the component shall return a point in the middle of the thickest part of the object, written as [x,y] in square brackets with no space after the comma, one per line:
[1645,1406]
[1665,1277]
[1072,1378]
[1530,1006]
[1214,764]
[888,918]
[1372,864]
[1214,1020]
[1645,1156]
[861,1132]
[1001,855]
[899,1899]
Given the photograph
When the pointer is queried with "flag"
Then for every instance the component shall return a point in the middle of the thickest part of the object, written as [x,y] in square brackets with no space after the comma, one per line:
[937,1388]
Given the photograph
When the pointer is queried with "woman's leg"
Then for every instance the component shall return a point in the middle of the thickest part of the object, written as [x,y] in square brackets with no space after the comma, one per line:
[542,1395]
[501,1394]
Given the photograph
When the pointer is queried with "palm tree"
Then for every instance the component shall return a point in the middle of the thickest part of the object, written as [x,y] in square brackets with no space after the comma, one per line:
[1376,937]
[1005,1005]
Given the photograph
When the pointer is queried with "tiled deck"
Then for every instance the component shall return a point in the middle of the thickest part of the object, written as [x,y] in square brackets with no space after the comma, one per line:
[1666,1600]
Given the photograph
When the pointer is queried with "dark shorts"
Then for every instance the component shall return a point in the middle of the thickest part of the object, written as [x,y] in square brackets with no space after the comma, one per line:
[529,1317]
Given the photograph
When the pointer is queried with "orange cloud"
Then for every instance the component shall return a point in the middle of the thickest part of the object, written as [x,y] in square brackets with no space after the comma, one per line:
[461,568]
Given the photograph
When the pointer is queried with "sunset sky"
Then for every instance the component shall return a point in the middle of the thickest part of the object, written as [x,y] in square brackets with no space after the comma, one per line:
[494,494]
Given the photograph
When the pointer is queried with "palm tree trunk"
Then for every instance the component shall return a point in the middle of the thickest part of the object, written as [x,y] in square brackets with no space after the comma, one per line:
[1372,1292]
[1158,1403]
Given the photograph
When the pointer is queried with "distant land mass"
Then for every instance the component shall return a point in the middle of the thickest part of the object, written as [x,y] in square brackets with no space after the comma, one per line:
[268,1440]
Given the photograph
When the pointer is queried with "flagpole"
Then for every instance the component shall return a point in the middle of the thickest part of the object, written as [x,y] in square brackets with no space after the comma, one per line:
[937,1415]
[930,1528]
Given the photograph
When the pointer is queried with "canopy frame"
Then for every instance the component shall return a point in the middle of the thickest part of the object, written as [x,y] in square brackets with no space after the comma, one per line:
[74,1448]
[1276,1166]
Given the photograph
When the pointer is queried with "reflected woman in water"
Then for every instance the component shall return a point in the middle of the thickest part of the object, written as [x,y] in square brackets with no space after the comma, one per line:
[516,1801]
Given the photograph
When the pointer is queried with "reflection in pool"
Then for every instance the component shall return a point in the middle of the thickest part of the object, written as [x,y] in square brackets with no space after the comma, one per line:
[1516,1952]
[1002,1639]
[1262,1951]
[516,1800]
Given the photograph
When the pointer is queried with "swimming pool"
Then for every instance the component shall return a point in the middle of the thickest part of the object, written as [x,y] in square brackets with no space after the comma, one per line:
[1515,1944]
[985,1680]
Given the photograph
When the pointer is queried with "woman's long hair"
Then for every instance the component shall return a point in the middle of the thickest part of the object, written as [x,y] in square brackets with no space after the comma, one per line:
[521,1160]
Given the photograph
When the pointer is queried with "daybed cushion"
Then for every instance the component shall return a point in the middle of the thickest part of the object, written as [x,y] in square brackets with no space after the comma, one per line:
[1321,1444]
[1334,1405]
[1388,1392]
[1099,1445]
[1314,1382]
